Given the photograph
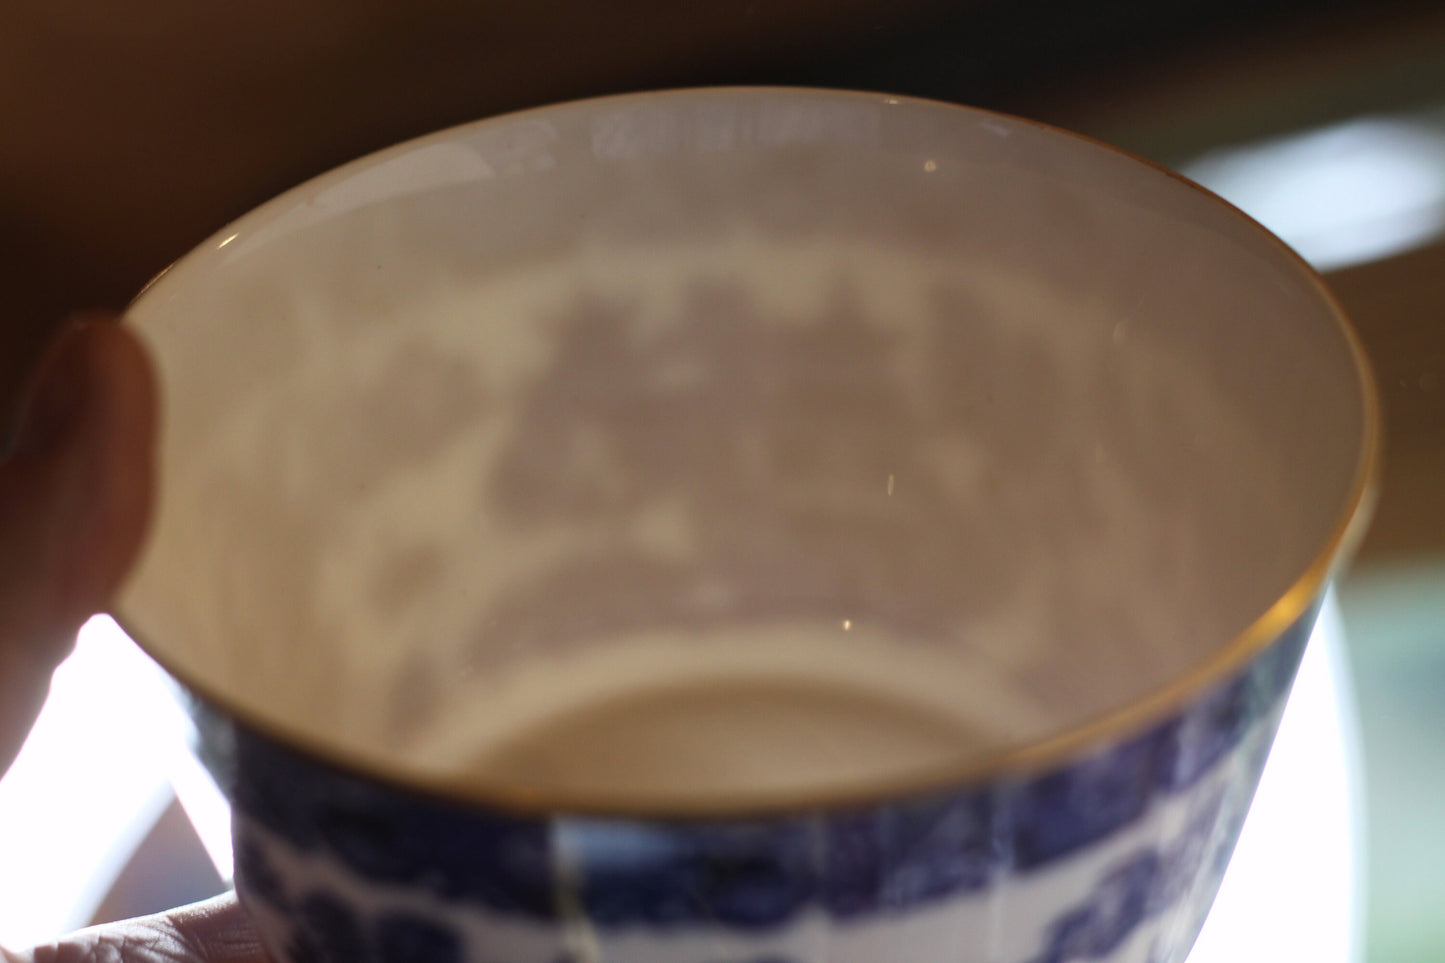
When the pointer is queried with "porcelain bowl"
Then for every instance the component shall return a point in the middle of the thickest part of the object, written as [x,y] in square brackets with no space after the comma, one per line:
[825,389]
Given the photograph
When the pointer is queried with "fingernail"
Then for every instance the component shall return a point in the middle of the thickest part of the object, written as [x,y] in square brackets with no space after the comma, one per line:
[56,397]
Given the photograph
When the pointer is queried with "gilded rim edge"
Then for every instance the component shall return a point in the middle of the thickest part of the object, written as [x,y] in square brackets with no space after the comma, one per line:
[1107,728]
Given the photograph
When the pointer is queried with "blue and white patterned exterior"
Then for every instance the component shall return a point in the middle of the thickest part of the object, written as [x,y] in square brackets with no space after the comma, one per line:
[447,423]
[1115,856]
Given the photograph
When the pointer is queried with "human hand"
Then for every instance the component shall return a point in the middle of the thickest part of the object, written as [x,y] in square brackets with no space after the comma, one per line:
[75,493]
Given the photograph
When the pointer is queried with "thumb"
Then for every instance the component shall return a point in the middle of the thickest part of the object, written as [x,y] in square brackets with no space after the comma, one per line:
[216,931]
[74,499]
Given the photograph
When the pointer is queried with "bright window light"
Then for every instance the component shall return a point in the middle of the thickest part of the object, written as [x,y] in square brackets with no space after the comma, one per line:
[90,782]
[112,742]
[1294,889]
[1340,195]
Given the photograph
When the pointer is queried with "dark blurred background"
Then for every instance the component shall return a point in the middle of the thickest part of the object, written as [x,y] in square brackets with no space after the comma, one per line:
[129,132]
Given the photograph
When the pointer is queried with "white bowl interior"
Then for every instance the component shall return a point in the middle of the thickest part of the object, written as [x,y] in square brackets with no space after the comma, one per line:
[883,396]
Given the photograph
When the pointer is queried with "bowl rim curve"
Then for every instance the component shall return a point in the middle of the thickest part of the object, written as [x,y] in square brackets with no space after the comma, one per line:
[1032,757]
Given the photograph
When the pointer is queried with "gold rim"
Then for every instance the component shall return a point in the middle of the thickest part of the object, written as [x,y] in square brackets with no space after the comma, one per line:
[1107,728]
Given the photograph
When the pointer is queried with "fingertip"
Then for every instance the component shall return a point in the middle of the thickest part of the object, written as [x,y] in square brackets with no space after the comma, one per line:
[83,468]
[215,931]
[74,503]
[218,931]
[119,426]
[50,400]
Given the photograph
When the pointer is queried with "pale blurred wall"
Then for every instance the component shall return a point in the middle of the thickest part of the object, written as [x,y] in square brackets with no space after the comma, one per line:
[130,131]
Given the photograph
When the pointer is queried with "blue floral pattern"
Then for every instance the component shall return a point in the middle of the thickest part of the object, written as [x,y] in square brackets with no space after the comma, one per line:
[388,835]
[329,931]
[1062,812]
[1139,887]
[894,857]
[410,939]
[757,876]
[747,875]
